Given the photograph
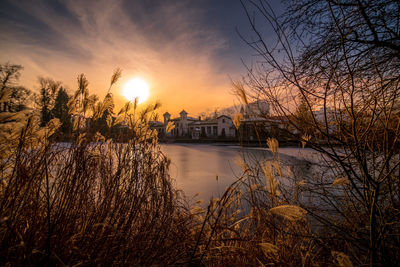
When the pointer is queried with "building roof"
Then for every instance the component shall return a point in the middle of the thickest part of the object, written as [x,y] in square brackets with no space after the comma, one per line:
[188,118]
[209,121]
[255,119]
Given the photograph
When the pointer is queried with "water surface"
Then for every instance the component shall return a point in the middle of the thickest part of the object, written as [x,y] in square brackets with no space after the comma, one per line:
[195,167]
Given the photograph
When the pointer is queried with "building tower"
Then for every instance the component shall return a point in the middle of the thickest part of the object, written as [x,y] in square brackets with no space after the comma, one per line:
[183,115]
[167,117]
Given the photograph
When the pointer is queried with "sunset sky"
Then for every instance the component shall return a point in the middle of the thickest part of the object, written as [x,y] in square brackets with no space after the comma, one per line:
[188,51]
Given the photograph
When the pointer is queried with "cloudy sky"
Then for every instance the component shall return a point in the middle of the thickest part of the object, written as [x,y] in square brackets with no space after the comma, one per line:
[187,50]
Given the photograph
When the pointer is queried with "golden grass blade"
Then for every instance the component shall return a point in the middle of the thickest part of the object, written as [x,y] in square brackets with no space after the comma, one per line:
[116,75]
[170,126]
[237,120]
[240,91]
[289,212]
[273,145]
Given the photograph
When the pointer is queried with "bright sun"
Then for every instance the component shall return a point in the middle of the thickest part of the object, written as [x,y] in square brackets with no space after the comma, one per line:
[136,87]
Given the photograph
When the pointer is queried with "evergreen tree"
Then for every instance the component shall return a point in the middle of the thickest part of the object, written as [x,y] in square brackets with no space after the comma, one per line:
[60,110]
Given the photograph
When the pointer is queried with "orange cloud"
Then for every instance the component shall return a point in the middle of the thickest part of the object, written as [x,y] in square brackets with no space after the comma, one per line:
[173,51]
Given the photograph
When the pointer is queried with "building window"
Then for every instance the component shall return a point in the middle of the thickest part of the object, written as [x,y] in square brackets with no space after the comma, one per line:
[208,130]
[223,120]
[215,130]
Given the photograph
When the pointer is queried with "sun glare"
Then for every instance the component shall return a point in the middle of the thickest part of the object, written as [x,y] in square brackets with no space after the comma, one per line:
[136,87]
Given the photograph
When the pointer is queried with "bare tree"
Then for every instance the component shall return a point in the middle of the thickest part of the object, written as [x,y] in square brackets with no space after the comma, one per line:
[17,95]
[341,58]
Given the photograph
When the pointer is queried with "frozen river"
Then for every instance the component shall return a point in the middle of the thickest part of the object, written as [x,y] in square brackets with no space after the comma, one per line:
[195,167]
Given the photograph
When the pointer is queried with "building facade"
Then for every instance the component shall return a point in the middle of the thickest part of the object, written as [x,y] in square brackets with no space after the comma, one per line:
[195,128]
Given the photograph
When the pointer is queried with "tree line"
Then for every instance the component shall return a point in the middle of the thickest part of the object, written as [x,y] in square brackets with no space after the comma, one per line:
[51,101]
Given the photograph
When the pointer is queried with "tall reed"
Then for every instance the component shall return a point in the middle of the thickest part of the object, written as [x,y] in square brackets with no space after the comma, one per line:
[93,201]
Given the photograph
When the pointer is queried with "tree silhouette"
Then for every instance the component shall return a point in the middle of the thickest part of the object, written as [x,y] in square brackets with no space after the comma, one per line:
[17,95]
[60,110]
[343,58]
[46,98]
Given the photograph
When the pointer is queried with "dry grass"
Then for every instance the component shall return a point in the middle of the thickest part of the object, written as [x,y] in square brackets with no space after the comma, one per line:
[92,201]
[97,201]
[252,225]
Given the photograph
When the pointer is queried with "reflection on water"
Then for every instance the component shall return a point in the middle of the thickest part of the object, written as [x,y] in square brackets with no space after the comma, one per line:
[195,167]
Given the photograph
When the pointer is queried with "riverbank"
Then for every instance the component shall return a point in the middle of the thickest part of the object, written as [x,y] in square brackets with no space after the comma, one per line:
[228,142]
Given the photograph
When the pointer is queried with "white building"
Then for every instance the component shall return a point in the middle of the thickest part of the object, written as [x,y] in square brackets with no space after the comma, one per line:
[196,128]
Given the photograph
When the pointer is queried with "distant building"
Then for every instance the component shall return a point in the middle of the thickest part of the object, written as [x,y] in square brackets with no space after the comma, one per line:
[195,128]
[221,126]
[255,115]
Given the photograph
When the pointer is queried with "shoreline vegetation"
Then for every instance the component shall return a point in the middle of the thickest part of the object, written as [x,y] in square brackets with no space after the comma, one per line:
[108,199]
[104,203]
[101,202]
